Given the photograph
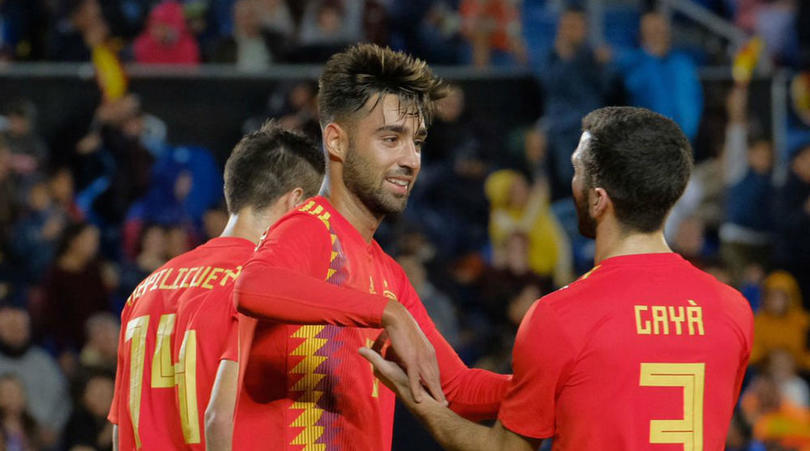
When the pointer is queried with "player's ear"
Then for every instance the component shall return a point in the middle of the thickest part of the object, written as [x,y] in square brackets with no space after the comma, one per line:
[336,141]
[294,198]
[599,202]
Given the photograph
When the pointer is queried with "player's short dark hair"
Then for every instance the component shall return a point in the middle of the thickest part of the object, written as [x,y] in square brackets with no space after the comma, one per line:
[641,158]
[268,163]
[352,77]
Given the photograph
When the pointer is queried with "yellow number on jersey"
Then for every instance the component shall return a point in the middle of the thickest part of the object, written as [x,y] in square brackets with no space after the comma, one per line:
[688,430]
[163,372]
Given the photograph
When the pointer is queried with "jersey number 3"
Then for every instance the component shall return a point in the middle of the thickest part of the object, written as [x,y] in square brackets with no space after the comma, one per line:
[164,373]
[688,430]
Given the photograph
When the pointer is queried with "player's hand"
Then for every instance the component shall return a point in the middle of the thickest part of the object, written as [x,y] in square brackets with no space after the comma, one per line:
[391,374]
[415,352]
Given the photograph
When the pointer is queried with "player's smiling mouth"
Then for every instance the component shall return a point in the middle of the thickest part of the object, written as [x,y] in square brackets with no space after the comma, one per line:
[400,184]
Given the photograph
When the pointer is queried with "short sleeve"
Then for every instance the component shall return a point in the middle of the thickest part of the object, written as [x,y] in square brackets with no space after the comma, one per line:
[541,359]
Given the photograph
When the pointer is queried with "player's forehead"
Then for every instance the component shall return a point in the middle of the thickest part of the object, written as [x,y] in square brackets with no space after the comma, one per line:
[393,111]
[582,146]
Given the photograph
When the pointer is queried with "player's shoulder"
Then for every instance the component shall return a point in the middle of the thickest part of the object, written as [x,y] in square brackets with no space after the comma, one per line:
[592,281]
[313,214]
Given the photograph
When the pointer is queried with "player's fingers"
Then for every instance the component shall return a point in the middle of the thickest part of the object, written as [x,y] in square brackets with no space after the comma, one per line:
[434,384]
[380,342]
[414,382]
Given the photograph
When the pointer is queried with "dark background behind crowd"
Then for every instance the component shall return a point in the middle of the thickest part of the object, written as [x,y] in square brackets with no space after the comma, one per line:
[96,193]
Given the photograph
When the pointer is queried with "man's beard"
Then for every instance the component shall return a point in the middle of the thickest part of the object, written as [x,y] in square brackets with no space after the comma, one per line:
[14,351]
[358,175]
[585,222]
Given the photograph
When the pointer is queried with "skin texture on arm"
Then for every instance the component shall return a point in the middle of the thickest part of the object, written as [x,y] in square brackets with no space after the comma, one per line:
[450,430]
[219,414]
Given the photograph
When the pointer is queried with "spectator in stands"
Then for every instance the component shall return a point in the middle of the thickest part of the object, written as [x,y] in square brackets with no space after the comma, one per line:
[151,253]
[517,207]
[36,232]
[777,422]
[214,221]
[179,241]
[46,389]
[250,47]
[740,436]
[493,31]
[82,25]
[793,220]
[167,39]
[75,288]
[781,323]
[17,426]
[28,150]
[660,79]
[88,428]
[8,193]
[781,366]
[745,234]
[61,189]
[276,18]
[327,26]
[112,158]
[573,82]
[101,350]
[439,306]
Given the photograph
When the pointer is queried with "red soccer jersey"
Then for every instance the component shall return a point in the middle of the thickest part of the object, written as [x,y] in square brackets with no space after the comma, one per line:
[145,402]
[307,387]
[644,352]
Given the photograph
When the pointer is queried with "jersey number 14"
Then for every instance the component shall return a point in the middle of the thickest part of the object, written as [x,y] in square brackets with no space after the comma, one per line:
[164,373]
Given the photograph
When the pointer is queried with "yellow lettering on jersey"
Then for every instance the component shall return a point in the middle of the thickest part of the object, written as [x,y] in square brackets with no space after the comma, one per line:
[642,326]
[306,207]
[163,285]
[659,314]
[371,285]
[230,275]
[159,280]
[184,283]
[162,367]
[180,273]
[198,278]
[694,315]
[677,316]
[657,319]
[211,276]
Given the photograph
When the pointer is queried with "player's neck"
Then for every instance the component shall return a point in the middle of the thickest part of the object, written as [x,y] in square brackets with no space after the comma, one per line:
[612,241]
[353,209]
[247,225]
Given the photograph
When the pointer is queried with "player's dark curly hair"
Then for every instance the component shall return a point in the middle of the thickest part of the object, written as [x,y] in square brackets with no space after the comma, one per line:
[352,77]
[641,158]
[268,163]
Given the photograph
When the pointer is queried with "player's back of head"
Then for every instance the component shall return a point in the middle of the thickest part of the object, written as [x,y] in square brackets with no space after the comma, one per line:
[268,163]
[352,77]
[641,158]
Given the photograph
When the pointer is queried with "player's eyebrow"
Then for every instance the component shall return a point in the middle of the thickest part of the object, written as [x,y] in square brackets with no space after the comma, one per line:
[401,129]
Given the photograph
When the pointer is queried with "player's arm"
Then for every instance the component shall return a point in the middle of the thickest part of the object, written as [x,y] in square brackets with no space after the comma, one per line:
[219,414]
[450,430]
[473,393]
[285,281]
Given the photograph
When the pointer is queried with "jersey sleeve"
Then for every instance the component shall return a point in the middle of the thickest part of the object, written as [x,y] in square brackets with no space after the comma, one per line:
[119,371]
[285,280]
[542,358]
[230,350]
[473,393]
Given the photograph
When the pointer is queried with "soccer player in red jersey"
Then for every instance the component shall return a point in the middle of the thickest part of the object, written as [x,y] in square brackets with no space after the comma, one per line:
[319,286]
[179,321]
[644,351]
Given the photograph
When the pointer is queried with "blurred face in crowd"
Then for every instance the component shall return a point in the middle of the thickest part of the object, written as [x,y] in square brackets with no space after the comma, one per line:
[39,197]
[330,19]
[18,125]
[98,396]
[655,34]
[15,328]
[781,365]
[87,14]
[573,28]
[586,222]
[103,336]
[801,165]
[519,193]
[776,302]
[760,157]
[61,185]
[214,222]
[535,146]
[414,269]
[246,18]
[450,108]
[154,241]
[517,253]
[85,245]
[384,155]
[177,240]
[12,396]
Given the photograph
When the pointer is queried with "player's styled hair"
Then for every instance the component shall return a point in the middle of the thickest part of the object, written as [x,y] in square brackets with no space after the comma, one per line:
[268,163]
[641,158]
[352,77]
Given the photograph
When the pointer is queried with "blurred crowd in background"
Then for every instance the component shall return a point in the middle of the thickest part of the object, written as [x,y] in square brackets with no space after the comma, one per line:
[490,226]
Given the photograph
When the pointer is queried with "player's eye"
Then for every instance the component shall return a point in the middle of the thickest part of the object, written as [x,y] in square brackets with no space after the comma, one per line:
[419,143]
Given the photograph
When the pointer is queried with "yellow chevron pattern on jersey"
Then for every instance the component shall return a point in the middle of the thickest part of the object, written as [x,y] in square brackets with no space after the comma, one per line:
[309,397]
